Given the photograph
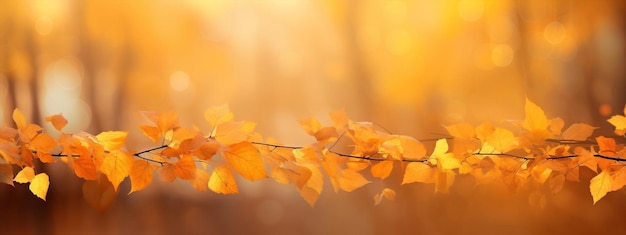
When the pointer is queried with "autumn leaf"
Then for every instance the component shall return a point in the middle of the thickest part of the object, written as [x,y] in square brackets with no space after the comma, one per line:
[99,194]
[578,131]
[600,185]
[418,172]
[442,158]
[606,145]
[535,117]
[184,168]
[39,185]
[619,122]
[25,175]
[233,132]
[85,167]
[57,120]
[349,180]
[112,140]
[19,119]
[244,158]
[218,115]
[382,169]
[223,181]
[309,195]
[201,180]
[386,193]
[140,175]
[502,139]
[556,125]
[116,166]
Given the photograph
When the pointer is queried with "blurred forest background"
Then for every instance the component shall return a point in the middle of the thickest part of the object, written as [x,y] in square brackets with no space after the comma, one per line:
[409,66]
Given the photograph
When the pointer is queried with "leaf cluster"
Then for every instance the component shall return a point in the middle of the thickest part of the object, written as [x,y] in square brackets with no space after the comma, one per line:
[539,154]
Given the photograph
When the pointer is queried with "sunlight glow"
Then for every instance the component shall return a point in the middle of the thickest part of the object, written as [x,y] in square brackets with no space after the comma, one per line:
[179,81]
[471,10]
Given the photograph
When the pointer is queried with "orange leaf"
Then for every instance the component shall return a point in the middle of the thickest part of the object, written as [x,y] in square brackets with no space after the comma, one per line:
[99,194]
[600,185]
[151,132]
[244,158]
[606,145]
[418,172]
[43,143]
[116,166]
[387,193]
[140,175]
[309,194]
[207,150]
[39,185]
[25,175]
[19,119]
[310,125]
[185,169]
[556,125]
[349,180]
[201,181]
[223,181]
[85,168]
[57,120]
[112,140]
[578,131]
[382,169]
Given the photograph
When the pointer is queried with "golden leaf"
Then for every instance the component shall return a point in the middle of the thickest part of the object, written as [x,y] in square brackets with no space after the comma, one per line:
[535,117]
[382,169]
[418,172]
[201,180]
[19,118]
[244,158]
[25,175]
[39,185]
[349,180]
[600,185]
[578,131]
[112,140]
[116,166]
[218,115]
[223,181]
[140,175]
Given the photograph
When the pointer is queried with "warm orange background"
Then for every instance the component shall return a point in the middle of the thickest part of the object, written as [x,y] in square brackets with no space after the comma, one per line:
[409,66]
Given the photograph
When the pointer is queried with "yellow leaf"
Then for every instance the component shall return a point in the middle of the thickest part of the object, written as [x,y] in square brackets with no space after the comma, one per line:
[619,122]
[57,120]
[600,185]
[444,160]
[382,169]
[233,132]
[201,181]
[223,181]
[418,172]
[244,158]
[25,175]
[19,119]
[39,185]
[116,166]
[349,180]
[218,115]
[112,140]
[502,139]
[535,117]
[140,175]
[99,194]
[578,131]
